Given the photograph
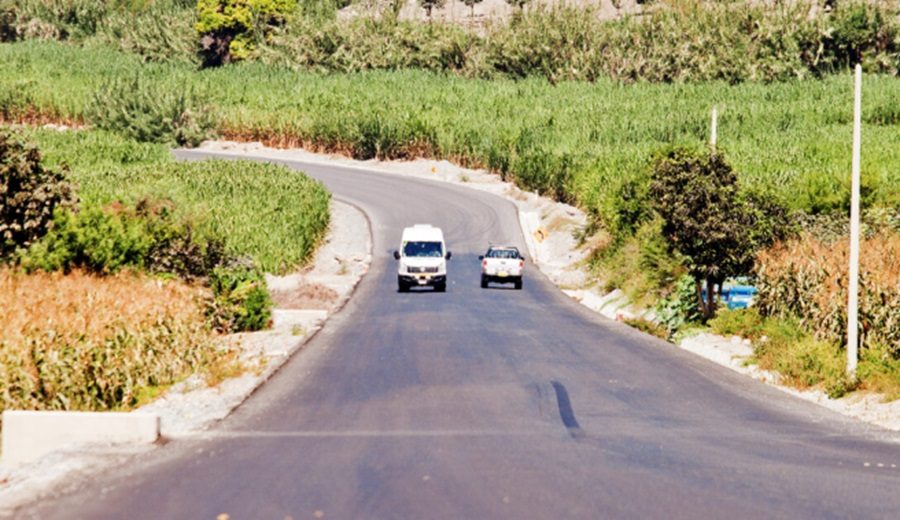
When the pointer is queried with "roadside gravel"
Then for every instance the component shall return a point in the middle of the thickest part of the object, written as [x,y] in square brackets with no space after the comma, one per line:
[553,232]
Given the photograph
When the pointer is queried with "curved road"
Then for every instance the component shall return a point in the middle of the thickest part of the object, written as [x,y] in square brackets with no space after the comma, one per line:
[496,404]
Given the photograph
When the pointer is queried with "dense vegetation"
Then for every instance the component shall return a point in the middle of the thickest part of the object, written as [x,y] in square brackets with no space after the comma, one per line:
[578,141]
[674,40]
[82,342]
[156,256]
[271,214]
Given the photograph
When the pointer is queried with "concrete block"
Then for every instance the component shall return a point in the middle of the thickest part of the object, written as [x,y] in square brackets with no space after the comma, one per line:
[27,435]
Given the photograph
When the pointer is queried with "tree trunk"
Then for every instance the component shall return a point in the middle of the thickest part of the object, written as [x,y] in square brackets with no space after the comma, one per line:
[711,299]
[707,307]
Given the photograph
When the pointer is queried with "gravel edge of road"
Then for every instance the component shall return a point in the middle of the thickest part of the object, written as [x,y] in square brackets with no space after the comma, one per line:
[192,406]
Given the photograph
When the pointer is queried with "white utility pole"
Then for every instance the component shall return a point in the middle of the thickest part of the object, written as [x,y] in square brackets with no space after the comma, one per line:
[853,298]
[714,129]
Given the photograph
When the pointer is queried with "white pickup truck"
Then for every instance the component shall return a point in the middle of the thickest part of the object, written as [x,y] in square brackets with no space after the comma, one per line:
[502,264]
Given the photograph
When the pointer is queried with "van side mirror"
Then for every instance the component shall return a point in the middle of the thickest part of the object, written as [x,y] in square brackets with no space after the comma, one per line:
[396,255]
[481,257]
[448,255]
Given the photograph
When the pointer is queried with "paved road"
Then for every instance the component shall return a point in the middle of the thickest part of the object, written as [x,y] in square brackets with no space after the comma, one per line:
[497,404]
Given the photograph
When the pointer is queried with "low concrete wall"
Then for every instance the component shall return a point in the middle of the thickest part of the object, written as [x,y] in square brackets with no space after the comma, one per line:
[29,435]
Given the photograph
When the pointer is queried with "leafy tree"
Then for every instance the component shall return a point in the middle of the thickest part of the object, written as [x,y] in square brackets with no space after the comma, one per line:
[707,219]
[230,29]
[518,3]
[428,5]
[29,194]
[471,4]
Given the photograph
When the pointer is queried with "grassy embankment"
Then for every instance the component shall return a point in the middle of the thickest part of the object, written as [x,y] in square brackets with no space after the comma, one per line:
[85,341]
[271,214]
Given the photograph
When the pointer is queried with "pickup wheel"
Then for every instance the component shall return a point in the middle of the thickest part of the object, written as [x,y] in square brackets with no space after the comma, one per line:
[441,287]
[402,287]
[484,282]
[518,284]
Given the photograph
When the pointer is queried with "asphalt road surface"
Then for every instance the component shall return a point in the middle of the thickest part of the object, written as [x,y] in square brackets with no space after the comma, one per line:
[491,404]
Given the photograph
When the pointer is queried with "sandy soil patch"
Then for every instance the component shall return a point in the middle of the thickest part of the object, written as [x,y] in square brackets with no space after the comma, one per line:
[308,296]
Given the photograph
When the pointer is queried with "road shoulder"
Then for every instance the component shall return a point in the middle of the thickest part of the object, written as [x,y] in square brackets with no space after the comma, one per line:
[304,301]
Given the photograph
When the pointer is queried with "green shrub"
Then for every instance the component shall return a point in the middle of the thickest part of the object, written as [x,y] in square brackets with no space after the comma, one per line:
[230,29]
[802,361]
[106,240]
[641,265]
[659,264]
[143,111]
[628,205]
[879,371]
[680,307]
[30,193]
[177,246]
[746,323]
[861,32]
[99,241]
[63,19]
[368,43]
[241,300]
[649,327]
[161,31]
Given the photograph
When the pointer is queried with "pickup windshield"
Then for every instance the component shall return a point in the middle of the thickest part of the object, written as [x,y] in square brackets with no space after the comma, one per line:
[502,253]
[426,249]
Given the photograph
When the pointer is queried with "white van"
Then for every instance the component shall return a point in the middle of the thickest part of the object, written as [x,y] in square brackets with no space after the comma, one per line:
[423,258]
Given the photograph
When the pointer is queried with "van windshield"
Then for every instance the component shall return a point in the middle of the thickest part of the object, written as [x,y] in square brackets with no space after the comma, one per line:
[426,249]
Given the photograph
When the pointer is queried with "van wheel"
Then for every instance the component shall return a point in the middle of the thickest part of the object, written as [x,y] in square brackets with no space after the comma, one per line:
[402,287]
[441,287]
[484,282]
[519,284]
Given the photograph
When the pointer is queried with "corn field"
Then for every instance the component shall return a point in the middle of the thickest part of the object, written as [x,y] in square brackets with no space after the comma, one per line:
[808,279]
[80,342]
[273,214]
[575,140]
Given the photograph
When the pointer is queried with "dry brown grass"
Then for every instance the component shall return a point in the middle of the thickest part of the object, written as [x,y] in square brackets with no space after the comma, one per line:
[88,307]
[808,278]
[83,342]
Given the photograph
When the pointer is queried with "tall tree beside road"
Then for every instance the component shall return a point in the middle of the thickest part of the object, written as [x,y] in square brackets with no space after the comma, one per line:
[708,220]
